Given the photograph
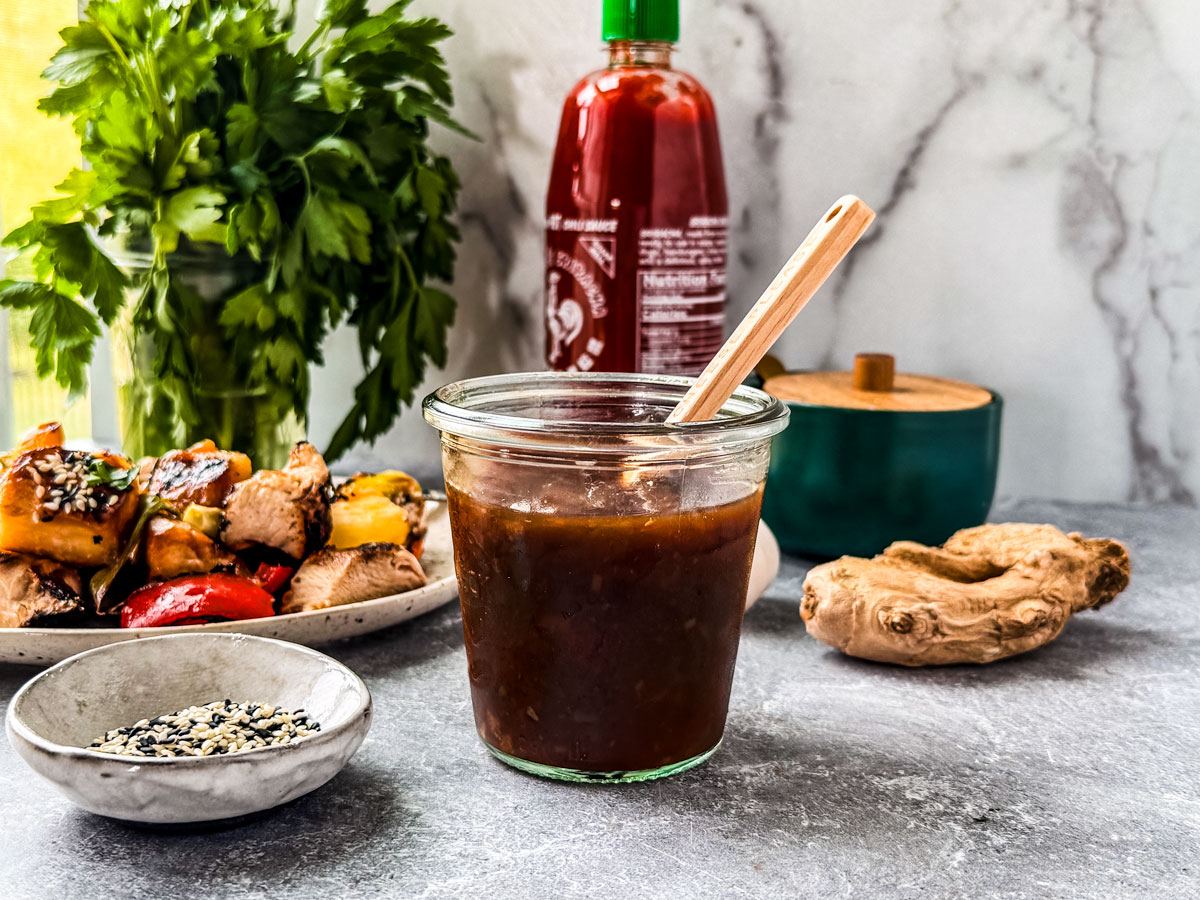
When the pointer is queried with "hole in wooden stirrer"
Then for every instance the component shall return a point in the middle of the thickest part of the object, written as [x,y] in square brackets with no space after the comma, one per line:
[833,212]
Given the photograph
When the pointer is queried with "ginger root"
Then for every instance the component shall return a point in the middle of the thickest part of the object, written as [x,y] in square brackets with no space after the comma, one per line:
[989,592]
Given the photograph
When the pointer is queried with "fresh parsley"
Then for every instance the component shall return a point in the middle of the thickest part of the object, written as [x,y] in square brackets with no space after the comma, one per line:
[102,473]
[201,126]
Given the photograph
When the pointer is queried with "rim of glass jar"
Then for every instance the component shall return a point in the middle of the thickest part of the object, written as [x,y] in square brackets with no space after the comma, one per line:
[460,409]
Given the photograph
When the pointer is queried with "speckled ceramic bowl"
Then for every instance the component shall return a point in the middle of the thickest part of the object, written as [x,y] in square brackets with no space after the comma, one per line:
[57,713]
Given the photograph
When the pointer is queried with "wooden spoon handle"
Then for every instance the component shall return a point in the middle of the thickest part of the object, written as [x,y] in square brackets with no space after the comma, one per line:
[825,247]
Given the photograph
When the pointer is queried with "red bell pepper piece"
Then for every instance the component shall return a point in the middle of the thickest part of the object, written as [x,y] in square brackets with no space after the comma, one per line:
[273,577]
[193,599]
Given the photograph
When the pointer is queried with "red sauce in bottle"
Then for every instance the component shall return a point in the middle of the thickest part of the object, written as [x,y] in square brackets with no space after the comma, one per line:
[636,218]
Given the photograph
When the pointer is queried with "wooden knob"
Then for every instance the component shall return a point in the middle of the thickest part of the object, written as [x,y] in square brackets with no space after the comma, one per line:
[874,371]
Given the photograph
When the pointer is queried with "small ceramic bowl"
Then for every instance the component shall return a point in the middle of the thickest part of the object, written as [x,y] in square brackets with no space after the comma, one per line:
[55,715]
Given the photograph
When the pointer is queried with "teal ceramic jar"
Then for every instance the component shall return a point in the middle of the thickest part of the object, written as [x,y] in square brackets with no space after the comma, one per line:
[850,481]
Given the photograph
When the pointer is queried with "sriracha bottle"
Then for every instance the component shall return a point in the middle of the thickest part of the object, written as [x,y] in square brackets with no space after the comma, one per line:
[636,212]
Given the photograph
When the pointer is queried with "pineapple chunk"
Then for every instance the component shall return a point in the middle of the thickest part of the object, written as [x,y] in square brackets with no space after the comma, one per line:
[368,519]
[48,434]
[397,486]
[205,519]
[387,507]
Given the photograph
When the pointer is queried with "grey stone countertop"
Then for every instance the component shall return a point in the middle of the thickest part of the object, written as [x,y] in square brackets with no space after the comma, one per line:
[1073,771]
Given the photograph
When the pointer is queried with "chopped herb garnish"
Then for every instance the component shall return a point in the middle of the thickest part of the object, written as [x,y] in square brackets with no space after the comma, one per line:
[105,474]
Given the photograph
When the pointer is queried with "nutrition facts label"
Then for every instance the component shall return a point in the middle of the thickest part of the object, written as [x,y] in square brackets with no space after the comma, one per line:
[681,295]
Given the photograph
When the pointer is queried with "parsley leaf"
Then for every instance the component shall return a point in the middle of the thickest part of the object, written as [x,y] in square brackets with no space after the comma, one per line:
[100,472]
[336,227]
[63,332]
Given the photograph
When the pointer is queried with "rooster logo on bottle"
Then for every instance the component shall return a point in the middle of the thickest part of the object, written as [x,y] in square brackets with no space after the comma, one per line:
[564,318]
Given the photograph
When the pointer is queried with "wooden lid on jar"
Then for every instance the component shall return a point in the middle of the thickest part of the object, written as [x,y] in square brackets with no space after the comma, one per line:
[874,384]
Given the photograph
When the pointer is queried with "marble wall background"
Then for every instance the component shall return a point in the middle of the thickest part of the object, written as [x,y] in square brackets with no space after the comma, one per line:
[1035,165]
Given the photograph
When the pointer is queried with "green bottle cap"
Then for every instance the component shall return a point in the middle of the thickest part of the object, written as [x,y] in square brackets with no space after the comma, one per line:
[641,20]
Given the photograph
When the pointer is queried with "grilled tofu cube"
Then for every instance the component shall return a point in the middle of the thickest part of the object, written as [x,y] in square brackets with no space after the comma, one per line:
[32,588]
[67,505]
[201,474]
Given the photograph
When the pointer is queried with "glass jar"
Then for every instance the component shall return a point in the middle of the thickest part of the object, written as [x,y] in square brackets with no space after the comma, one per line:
[222,400]
[603,559]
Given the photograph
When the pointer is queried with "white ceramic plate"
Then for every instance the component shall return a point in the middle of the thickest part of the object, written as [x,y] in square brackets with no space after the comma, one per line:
[40,646]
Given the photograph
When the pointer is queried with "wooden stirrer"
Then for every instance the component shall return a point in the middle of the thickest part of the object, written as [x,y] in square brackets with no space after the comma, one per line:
[826,245]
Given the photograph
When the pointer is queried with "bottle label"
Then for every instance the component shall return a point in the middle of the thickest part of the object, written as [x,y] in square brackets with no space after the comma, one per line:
[661,311]
[681,295]
[581,260]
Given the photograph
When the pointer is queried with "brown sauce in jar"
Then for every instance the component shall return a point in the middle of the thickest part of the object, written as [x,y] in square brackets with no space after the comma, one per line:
[602,643]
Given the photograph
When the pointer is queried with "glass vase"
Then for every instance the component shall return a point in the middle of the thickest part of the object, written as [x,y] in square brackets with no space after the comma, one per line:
[223,402]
